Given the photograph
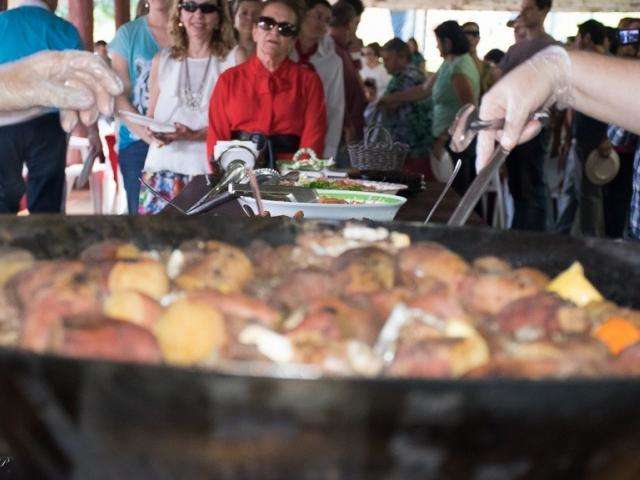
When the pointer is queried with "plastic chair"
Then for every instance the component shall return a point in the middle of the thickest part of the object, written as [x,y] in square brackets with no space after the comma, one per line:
[72,172]
[499,218]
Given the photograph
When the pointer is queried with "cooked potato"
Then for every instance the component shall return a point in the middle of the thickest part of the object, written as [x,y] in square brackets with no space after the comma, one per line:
[221,267]
[134,307]
[190,331]
[147,276]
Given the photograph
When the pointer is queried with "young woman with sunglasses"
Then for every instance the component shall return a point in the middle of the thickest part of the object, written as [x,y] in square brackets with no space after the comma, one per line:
[315,50]
[270,94]
[132,51]
[182,79]
[245,15]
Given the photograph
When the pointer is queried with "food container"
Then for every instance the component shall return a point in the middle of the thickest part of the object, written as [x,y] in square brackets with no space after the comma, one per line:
[374,206]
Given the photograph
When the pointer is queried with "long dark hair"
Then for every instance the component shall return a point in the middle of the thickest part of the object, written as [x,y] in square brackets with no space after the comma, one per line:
[453,32]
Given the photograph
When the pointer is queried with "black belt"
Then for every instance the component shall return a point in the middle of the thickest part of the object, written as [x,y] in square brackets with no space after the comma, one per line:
[271,145]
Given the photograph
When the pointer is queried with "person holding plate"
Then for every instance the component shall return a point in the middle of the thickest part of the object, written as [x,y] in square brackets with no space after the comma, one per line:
[182,79]
[270,95]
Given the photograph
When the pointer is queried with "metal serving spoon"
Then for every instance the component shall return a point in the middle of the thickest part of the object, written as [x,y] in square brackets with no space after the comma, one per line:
[446,188]
[467,124]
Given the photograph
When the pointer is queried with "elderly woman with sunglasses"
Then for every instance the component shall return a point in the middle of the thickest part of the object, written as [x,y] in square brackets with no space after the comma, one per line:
[270,94]
[182,79]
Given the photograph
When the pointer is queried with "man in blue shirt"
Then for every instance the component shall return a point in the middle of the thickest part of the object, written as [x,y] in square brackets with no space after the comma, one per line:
[33,137]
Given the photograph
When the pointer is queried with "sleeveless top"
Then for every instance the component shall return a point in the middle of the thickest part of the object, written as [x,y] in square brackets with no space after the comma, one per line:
[184,157]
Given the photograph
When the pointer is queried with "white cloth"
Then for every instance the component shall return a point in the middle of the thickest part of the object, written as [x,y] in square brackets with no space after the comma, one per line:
[187,158]
[330,69]
[379,74]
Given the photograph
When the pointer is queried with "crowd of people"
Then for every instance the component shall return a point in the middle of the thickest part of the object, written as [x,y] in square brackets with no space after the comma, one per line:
[295,74]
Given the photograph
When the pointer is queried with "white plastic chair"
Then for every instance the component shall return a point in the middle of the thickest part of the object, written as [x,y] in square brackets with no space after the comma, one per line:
[72,172]
[499,218]
[101,183]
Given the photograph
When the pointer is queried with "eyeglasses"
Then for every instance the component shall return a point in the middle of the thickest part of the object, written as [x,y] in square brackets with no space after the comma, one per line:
[473,33]
[205,8]
[284,28]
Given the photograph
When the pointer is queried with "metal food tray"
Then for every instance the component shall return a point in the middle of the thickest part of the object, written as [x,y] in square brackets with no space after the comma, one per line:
[66,418]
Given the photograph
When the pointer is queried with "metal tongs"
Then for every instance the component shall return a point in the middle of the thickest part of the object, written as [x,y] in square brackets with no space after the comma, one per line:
[467,124]
[262,189]
[463,130]
[235,173]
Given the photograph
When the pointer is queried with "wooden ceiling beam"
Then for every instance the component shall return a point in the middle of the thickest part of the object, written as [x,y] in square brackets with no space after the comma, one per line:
[509,5]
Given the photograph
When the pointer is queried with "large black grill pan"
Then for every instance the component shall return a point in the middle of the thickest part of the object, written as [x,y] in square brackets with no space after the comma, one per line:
[65,418]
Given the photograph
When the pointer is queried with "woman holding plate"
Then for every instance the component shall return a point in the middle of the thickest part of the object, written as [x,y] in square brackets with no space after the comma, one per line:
[270,94]
[182,79]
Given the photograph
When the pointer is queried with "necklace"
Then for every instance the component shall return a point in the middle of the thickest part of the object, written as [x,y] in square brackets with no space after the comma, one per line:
[193,99]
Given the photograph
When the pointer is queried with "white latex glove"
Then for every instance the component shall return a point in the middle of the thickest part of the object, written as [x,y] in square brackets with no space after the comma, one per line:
[541,81]
[79,83]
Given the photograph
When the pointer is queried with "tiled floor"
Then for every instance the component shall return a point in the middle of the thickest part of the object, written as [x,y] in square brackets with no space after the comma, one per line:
[79,202]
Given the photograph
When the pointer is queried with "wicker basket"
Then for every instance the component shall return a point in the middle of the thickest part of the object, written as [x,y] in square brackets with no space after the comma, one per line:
[375,153]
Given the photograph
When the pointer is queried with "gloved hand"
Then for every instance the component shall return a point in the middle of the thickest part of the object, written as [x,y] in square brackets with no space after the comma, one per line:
[541,81]
[79,83]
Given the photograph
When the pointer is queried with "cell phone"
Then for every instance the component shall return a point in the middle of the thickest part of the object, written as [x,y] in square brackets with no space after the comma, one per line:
[629,37]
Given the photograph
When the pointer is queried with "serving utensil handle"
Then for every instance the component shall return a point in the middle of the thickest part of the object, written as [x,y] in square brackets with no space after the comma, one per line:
[477,188]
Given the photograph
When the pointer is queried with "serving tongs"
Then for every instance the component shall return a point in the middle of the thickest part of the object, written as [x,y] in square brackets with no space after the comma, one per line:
[463,130]
[467,124]
[279,193]
[235,172]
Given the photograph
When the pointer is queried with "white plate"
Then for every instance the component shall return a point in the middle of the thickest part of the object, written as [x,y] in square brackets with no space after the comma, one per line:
[383,207]
[153,125]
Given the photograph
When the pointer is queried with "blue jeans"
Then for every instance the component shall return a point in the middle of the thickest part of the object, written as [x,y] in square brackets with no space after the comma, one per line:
[42,145]
[131,160]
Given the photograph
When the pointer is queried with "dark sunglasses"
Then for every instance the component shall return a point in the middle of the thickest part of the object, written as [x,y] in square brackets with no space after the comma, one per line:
[473,33]
[284,28]
[205,8]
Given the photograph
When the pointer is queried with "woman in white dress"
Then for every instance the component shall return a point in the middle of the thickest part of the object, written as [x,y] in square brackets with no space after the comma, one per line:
[182,79]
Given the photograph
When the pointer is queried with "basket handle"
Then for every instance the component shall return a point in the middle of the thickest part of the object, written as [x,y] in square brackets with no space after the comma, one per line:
[372,132]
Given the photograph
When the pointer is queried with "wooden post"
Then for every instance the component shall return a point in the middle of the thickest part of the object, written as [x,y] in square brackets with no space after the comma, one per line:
[3,5]
[123,12]
[81,15]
